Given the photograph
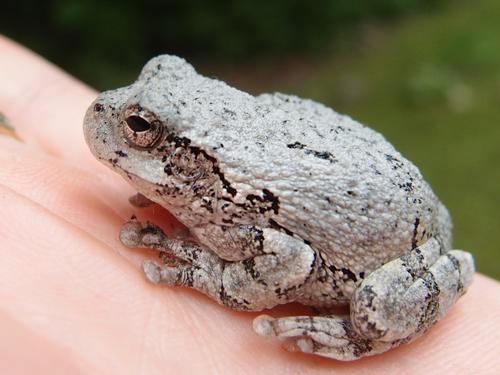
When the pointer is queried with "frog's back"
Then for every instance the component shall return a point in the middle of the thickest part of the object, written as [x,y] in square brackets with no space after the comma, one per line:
[341,186]
[334,182]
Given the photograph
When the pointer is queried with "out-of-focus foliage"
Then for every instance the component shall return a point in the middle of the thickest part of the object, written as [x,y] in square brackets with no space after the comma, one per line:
[92,37]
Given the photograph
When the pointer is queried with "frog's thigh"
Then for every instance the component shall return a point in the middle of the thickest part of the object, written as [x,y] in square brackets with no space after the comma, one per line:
[409,294]
[273,277]
[232,242]
[392,306]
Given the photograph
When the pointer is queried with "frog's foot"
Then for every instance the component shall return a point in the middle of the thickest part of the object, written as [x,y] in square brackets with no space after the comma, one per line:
[393,305]
[135,234]
[408,295]
[327,336]
[262,281]
[187,264]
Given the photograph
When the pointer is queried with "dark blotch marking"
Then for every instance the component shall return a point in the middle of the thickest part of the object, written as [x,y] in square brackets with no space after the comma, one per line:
[121,154]
[267,197]
[432,308]
[325,155]
[273,224]
[178,141]
[250,268]
[408,187]
[414,236]
[296,145]
[456,265]
[396,163]
[414,263]
[207,204]
[367,295]
[346,273]
[168,170]
[270,197]
[349,274]
[185,142]
[360,346]
[258,235]
[225,183]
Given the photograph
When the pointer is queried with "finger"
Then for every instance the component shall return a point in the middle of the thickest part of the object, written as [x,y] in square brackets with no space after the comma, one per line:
[44,104]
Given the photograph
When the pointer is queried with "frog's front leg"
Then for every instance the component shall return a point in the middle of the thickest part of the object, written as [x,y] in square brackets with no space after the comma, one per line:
[393,305]
[270,274]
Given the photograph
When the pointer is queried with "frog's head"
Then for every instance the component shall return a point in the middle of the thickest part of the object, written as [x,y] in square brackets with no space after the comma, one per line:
[156,132]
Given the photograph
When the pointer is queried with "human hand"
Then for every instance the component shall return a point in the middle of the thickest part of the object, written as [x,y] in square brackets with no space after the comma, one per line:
[73,299]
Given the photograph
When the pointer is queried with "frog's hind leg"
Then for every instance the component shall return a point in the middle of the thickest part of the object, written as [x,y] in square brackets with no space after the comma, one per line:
[393,305]
[408,295]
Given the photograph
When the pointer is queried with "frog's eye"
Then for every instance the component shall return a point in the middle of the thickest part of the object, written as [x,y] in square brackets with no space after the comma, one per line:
[140,132]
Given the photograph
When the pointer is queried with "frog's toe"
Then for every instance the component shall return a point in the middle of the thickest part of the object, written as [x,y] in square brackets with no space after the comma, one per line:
[263,325]
[152,271]
[303,344]
[206,281]
[136,234]
[130,233]
[166,275]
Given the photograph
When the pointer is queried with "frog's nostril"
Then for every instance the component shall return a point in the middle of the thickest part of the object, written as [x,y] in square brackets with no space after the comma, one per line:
[98,107]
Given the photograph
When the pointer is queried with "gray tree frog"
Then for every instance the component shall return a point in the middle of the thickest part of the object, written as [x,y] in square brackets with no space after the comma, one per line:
[285,200]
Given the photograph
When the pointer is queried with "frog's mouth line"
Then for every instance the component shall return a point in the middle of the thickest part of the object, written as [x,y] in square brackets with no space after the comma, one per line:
[130,177]
[113,164]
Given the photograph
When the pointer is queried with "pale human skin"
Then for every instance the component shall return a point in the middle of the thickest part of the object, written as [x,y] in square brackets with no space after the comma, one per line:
[73,298]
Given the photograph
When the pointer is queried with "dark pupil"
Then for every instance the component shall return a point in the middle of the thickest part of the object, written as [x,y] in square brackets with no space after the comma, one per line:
[137,124]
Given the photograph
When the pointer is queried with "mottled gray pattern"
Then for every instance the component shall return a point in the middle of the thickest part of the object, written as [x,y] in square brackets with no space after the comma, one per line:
[286,200]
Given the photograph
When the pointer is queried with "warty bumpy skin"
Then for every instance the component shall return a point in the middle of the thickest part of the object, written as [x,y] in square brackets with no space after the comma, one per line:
[285,200]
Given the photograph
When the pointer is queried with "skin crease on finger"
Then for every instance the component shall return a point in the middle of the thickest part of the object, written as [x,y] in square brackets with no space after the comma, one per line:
[93,307]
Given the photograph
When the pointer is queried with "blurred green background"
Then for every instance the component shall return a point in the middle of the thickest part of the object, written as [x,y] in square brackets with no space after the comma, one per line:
[425,73]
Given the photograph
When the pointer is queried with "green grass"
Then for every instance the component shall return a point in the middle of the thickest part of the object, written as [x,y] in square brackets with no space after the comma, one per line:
[431,85]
